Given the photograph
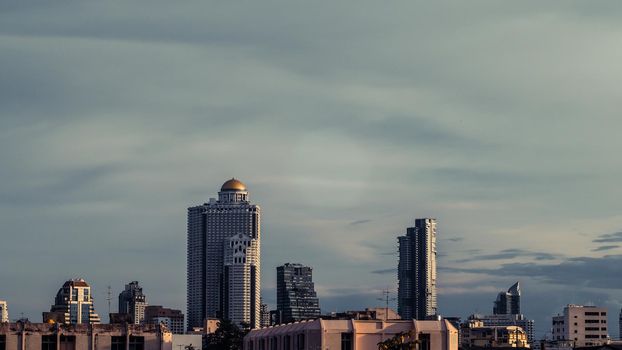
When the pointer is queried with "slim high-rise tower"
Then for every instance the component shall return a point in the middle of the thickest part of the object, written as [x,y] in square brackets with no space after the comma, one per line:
[132,301]
[508,303]
[417,271]
[223,262]
[4,312]
[295,293]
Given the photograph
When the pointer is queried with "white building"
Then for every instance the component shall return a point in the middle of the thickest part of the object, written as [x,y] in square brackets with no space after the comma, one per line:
[210,226]
[351,334]
[582,325]
[241,280]
[73,304]
[4,311]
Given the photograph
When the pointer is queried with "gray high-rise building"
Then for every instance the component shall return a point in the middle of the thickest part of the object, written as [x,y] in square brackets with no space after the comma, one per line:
[416,271]
[132,302]
[620,325]
[223,262]
[508,303]
[295,293]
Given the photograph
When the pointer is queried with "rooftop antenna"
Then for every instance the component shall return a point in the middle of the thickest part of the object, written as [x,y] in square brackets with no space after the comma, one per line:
[109,297]
[385,297]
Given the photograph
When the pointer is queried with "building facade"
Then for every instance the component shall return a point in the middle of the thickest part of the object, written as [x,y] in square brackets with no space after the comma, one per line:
[4,311]
[351,335]
[296,298]
[620,326]
[73,304]
[473,334]
[508,302]
[417,271]
[582,325]
[210,229]
[507,320]
[132,302]
[54,336]
[171,318]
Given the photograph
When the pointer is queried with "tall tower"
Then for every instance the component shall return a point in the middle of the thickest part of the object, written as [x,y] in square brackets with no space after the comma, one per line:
[295,293]
[4,312]
[214,266]
[73,304]
[508,303]
[417,271]
[132,301]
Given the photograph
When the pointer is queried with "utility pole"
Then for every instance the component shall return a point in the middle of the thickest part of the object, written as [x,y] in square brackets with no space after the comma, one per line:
[385,297]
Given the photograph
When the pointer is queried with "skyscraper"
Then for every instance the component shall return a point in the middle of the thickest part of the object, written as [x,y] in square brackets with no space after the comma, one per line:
[224,258]
[620,325]
[132,301]
[508,302]
[416,271]
[295,293]
[4,312]
[73,304]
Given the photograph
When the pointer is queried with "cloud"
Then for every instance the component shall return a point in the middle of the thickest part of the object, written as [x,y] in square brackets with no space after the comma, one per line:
[609,238]
[512,253]
[605,247]
[359,222]
[386,271]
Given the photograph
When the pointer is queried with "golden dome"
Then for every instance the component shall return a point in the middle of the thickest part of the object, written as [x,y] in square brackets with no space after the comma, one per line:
[233,185]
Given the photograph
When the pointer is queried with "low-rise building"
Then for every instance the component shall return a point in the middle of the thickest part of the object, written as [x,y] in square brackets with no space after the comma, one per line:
[504,320]
[54,336]
[582,325]
[187,341]
[473,334]
[321,334]
[173,319]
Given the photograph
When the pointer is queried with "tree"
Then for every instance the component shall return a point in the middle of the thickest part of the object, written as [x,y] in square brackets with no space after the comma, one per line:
[400,341]
[228,336]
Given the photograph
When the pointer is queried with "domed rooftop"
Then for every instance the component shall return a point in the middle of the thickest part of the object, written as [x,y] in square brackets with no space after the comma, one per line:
[233,185]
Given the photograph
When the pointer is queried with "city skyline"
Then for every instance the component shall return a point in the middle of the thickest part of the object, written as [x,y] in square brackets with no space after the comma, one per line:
[346,121]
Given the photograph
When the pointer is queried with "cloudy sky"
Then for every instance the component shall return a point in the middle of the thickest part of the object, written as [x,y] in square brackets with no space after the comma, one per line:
[345,119]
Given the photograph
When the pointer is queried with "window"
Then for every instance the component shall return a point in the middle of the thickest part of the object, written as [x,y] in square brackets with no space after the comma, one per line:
[48,342]
[424,339]
[117,343]
[300,341]
[67,342]
[3,342]
[346,341]
[137,343]
[74,294]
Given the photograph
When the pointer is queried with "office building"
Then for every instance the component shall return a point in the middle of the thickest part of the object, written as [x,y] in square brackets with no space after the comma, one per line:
[218,262]
[49,336]
[582,325]
[507,320]
[132,302]
[265,315]
[508,302]
[296,299]
[417,271]
[352,335]
[73,304]
[173,319]
[473,334]
[4,311]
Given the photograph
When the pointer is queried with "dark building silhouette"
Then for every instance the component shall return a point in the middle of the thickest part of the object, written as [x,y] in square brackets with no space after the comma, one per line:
[295,293]
[132,302]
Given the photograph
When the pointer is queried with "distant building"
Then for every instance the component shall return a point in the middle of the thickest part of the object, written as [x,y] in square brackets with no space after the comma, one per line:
[506,321]
[4,311]
[211,275]
[132,301]
[473,334]
[620,325]
[508,303]
[73,304]
[173,319]
[45,336]
[417,271]
[582,325]
[377,313]
[265,315]
[296,299]
[351,335]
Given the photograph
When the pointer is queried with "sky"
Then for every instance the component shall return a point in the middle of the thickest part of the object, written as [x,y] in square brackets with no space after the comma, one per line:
[346,120]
